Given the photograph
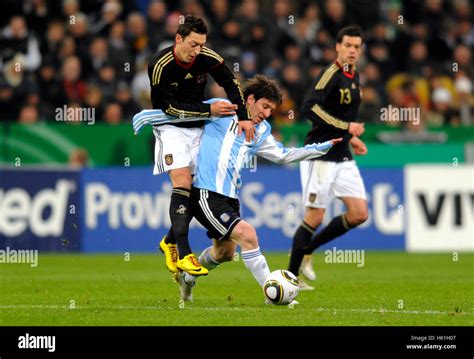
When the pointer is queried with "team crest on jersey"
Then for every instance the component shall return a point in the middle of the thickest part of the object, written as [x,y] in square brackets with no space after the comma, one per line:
[353,86]
[201,78]
[225,217]
[169,159]
[312,197]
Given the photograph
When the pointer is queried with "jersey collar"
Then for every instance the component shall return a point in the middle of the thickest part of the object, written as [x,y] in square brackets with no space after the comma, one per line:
[184,65]
[350,75]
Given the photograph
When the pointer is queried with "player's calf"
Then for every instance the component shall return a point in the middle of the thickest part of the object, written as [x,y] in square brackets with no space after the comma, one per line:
[300,246]
[244,234]
[180,216]
[223,254]
[210,260]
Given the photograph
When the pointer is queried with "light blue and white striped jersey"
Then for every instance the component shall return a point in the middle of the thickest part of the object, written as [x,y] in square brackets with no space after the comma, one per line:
[223,154]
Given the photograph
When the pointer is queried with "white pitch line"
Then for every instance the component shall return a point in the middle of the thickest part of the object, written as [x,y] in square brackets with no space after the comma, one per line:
[190,307]
[381,311]
[25,306]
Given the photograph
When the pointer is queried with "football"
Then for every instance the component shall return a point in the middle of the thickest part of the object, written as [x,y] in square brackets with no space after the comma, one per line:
[281,287]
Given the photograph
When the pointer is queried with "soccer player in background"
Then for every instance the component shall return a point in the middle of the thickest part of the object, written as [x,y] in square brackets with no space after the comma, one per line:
[178,77]
[332,105]
[222,155]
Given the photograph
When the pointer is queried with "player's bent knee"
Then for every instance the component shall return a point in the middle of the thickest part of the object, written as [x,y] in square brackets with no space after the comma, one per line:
[314,216]
[363,217]
[357,218]
[181,177]
[182,183]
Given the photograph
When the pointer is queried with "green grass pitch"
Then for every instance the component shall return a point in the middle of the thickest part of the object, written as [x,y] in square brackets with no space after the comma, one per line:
[392,289]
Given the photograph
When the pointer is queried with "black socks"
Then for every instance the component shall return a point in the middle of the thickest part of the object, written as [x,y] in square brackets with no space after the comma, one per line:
[301,241]
[180,214]
[337,227]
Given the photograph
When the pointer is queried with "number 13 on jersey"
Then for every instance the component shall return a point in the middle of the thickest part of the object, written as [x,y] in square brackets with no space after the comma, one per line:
[345,96]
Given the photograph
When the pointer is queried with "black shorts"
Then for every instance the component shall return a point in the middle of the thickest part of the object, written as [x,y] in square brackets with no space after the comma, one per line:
[219,214]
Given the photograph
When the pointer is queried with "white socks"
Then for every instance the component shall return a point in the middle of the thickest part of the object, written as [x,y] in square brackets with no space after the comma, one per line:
[207,260]
[253,259]
[257,264]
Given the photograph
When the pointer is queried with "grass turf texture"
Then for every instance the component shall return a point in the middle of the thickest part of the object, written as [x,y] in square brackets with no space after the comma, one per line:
[392,289]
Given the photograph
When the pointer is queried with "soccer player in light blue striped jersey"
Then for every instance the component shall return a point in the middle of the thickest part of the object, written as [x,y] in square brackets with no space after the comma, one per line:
[222,155]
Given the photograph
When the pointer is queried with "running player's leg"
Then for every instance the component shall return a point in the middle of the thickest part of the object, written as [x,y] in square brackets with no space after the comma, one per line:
[246,237]
[220,215]
[349,187]
[180,213]
[316,179]
[174,154]
[301,240]
[357,210]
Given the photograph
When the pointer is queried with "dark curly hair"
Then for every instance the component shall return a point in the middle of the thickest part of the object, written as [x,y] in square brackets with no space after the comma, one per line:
[192,24]
[262,86]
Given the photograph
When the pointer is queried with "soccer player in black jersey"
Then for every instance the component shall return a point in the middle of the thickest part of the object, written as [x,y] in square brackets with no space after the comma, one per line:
[178,77]
[332,105]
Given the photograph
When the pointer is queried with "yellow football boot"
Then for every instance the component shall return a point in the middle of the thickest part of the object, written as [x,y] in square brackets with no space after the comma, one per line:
[171,255]
[191,265]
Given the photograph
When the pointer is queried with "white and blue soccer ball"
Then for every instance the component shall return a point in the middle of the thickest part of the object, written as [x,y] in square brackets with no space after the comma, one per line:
[281,287]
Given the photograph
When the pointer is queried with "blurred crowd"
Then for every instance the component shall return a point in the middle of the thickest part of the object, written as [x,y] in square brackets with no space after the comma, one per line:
[94,53]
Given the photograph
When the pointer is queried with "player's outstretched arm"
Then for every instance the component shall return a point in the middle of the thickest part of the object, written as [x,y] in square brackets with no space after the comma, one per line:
[276,152]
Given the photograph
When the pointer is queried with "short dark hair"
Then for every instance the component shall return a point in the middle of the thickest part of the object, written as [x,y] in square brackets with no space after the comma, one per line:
[352,30]
[192,24]
[263,87]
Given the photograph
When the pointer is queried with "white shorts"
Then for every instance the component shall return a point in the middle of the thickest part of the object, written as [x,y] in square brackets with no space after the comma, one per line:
[176,147]
[323,180]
